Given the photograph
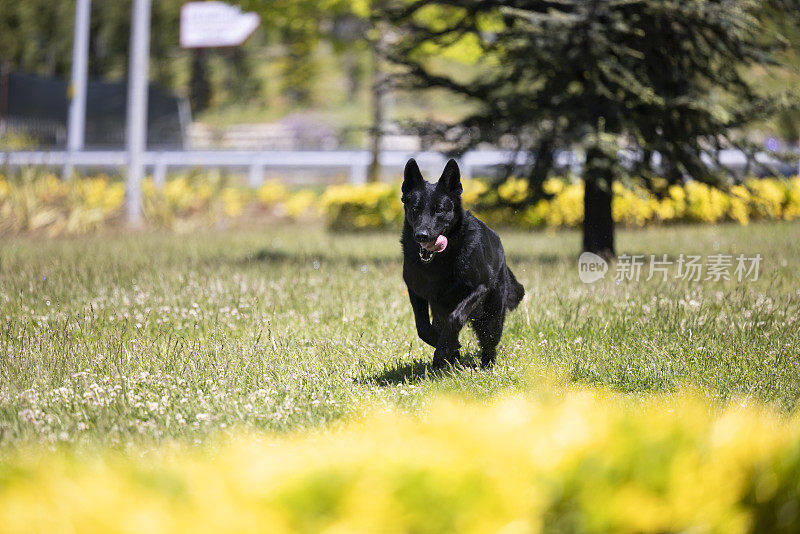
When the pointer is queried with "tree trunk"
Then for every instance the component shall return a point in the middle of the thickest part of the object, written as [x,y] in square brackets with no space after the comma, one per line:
[598,224]
[541,168]
[199,87]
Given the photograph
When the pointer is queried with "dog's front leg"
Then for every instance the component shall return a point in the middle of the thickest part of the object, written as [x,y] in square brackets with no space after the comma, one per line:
[425,331]
[448,336]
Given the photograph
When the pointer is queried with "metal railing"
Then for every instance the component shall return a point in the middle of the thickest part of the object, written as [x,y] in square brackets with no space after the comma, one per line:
[356,162]
[256,162]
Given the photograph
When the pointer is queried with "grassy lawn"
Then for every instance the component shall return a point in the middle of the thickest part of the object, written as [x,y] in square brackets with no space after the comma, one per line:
[129,339]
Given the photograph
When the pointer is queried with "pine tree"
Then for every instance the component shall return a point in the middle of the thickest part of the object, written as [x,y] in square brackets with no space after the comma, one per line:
[661,79]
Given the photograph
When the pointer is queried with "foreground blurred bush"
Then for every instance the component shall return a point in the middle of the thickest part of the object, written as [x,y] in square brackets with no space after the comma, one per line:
[578,462]
[37,202]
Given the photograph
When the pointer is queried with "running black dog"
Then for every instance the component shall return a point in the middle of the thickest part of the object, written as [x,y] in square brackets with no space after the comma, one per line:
[454,264]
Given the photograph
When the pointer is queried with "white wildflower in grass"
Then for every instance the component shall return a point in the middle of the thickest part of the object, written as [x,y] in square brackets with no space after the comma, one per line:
[28,416]
[240,329]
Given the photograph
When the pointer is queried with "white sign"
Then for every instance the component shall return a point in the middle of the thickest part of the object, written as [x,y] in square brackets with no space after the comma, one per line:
[210,24]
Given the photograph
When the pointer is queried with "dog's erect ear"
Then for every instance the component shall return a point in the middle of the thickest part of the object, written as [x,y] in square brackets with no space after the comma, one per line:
[451,178]
[411,176]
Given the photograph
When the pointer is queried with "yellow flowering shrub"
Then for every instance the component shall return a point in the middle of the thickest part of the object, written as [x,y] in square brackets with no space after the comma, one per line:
[272,192]
[473,190]
[566,208]
[553,186]
[301,203]
[632,207]
[372,205]
[42,202]
[738,206]
[536,215]
[233,201]
[513,189]
[579,461]
[664,209]
[768,197]
[179,200]
[677,198]
[704,203]
[101,193]
[792,208]
[358,207]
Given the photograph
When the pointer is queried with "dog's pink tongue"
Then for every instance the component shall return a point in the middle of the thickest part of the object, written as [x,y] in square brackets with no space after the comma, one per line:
[436,246]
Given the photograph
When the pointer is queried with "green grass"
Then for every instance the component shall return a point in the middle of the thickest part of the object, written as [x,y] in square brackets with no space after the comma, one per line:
[127,339]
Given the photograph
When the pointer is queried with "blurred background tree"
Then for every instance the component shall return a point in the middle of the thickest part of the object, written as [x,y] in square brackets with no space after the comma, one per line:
[352,30]
[36,37]
[602,77]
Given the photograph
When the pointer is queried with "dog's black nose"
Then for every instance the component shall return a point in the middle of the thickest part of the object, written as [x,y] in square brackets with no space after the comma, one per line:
[422,237]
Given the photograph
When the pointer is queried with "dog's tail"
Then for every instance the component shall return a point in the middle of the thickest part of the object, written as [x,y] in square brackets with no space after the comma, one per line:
[513,290]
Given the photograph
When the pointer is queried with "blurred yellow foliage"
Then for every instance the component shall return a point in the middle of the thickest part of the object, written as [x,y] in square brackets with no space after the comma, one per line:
[272,192]
[513,189]
[768,197]
[473,190]
[579,460]
[36,201]
[233,201]
[41,202]
[792,208]
[372,205]
[566,208]
[301,203]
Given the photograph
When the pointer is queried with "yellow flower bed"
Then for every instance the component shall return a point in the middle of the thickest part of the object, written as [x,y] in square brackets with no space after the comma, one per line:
[44,203]
[377,205]
[272,193]
[583,460]
[41,202]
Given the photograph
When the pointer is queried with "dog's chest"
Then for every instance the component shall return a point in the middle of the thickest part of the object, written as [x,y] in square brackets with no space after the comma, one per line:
[436,284]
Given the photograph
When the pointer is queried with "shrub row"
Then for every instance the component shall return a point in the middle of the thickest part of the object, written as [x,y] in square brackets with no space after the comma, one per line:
[36,202]
[584,462]
[378,205]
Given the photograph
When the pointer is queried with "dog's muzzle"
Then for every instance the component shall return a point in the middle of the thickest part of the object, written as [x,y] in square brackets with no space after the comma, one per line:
[425,255]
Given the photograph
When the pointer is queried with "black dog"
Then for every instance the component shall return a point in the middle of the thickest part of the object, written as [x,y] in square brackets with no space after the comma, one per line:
[455,264]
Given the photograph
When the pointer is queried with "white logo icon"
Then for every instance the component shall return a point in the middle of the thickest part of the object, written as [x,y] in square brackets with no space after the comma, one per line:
[591,267]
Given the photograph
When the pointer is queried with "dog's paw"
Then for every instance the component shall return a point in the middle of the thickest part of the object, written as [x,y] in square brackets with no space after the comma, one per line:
[443,358]
[487,359]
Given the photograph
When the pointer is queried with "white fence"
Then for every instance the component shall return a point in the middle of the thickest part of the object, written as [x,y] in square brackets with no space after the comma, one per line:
[255,162]
[356,162]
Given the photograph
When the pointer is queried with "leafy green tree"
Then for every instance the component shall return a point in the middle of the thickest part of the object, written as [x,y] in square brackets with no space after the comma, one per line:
[299,26]
[600,76]
[350,25]
[784,33]
[35,37]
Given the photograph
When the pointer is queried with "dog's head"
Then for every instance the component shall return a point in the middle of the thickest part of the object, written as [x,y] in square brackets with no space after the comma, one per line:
[432,209]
